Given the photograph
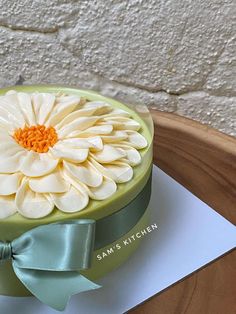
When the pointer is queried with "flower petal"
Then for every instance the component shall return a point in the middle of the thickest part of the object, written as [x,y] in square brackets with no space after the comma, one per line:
[105,190]
[26,107]
[94,143]
[89,109]
[121,171]
[75,115]
[10,110]
[109,154]
[80,124]
[115,136]
[117,112]
[5,136]
[117,171]
[64,106]
[8,146]
[69,153]
[94,130]
[122,123]
[136,140]
[71,201]
[7,122]
[133,157]
[43,105]
[100,107]
[85,173]
[51,183]
[12,163]
[36,164]
[7,206]
[10,92]
[31,204]
[9,183]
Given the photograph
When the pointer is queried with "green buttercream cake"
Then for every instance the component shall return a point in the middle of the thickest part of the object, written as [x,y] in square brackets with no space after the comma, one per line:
[69,154]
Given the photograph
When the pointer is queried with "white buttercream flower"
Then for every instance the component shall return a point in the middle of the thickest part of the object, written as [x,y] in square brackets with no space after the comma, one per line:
[58,150]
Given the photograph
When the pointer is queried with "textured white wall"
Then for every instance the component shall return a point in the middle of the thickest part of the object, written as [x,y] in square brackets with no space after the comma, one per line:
[177,55]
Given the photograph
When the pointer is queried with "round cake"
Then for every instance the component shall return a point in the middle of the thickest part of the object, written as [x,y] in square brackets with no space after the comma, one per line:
[69,154]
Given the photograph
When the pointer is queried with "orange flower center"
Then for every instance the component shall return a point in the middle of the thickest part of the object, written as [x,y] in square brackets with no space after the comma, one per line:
[37,137]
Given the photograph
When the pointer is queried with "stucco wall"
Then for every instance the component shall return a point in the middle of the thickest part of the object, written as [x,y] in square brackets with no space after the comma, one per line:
[176,55]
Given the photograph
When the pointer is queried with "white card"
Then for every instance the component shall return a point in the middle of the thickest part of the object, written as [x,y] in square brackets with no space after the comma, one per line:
[189,235]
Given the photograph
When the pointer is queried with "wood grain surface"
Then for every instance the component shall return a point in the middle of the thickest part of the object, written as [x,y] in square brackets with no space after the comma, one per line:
[204,161]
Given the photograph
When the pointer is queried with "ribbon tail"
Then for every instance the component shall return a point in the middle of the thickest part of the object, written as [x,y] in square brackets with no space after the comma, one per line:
[54,288]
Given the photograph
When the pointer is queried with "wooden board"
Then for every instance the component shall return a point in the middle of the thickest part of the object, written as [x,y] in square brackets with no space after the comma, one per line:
[204,161]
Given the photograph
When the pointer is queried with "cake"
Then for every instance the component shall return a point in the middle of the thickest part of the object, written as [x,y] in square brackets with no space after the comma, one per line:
[70,154]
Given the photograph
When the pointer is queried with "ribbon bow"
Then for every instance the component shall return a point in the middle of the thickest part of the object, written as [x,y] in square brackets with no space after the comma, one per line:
[47,260]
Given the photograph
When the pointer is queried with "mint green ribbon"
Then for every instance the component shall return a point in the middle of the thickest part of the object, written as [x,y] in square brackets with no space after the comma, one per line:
[48,258]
